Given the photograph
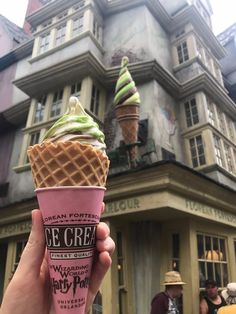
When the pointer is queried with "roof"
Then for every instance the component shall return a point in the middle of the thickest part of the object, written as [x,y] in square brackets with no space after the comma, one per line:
[15,32]
[227,34]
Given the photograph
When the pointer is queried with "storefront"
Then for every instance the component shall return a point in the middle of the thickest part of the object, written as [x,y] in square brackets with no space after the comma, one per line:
[162,217]
[167,217]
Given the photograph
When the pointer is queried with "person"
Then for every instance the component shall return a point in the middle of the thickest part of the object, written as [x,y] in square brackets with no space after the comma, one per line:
[229,295]
[28,290]
[164,302]
[212,301]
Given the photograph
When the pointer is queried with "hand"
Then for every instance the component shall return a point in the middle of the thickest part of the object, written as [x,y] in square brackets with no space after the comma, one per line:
[29,290]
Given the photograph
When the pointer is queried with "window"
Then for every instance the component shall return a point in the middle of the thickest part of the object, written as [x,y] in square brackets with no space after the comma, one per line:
[208,60]
[79,5]
[60,35]
[47,23]
[235,249]
[34,138]
[212,260]
[211,112]
[197,151]
[56,104]
[218,151]
[230,128]
[182,51]
[121,273]
[175,252]
[228,157]
[199,50]
[96,30]
[94,106]
[191,112]
[77,26]
[40,108]
[44,43]
[76,89]
[221,120]
[63,14]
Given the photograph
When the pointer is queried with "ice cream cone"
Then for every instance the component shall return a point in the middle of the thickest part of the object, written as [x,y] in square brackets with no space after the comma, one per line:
[70,169]
[67,164]
[127,102]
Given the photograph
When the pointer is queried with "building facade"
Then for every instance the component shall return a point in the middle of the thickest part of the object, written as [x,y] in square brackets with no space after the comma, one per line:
[176,209]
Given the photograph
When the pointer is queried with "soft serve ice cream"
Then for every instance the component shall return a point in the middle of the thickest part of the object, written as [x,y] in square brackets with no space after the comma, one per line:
[72,153]
[76,125]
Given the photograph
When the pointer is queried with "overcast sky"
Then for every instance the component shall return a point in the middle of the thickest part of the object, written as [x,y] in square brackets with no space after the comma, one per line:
[224,12]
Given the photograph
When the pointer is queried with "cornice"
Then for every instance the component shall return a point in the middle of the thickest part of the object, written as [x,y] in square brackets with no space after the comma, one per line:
[191,14]
[74,68]
[17,54]
[17,114]
[48,11]
[204,82]
[171,176]
[87,64]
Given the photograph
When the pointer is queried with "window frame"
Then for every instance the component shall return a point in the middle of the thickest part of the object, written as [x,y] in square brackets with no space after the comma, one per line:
[56,103]
[218,150]
[199,157]
[182,52]
[60,36]
[95,100]
[191,112]
[75,31]
[209,257]
[44,42]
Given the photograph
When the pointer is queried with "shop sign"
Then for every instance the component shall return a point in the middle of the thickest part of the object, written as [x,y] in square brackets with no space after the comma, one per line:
[15,229]
[210,212]
[122,206]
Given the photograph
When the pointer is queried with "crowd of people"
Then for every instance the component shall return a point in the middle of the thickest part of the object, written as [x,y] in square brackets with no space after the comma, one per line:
[211,303]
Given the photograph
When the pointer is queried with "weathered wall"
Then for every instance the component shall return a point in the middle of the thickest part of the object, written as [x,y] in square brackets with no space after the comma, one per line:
[6,87]
[138,35]
[21,184]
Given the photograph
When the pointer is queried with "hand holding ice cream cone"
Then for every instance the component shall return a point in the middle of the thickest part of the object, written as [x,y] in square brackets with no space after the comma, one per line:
[29,290]
[70,169]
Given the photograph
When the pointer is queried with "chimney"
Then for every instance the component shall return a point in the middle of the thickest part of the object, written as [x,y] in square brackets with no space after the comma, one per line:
[33,5]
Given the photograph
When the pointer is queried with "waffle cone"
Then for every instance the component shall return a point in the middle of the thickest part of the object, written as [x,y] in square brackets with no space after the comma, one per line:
[128,117]
[67,163]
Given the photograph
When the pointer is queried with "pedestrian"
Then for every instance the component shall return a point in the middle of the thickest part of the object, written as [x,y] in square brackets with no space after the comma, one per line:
[212,301]
[165,302]
[229,294]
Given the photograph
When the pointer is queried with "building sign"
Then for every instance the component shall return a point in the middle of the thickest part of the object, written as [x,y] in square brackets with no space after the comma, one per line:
[122,206]
[15,229]
[157,202]
[210,212]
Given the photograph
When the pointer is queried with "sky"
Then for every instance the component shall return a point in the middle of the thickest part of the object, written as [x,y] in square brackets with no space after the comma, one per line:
[223,16]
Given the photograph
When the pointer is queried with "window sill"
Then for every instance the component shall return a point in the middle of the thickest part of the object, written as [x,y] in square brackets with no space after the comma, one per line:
[22,168]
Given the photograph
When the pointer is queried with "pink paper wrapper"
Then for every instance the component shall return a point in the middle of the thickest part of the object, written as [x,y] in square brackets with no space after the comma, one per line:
[70,216]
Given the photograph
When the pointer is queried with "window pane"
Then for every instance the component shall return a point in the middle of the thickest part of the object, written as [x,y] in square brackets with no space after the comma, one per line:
[40,108]
[56,105]
[202,274]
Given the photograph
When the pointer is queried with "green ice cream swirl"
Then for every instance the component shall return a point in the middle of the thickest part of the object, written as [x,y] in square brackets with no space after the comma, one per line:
[126,92]
[75,122]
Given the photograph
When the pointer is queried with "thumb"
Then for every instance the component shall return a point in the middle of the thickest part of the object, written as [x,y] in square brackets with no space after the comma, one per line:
[33,254]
